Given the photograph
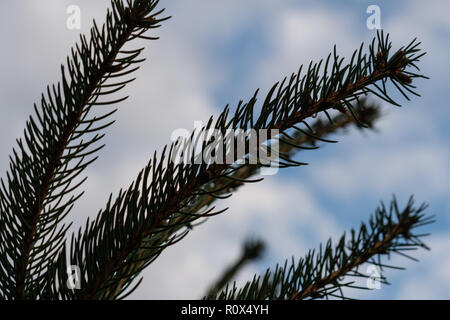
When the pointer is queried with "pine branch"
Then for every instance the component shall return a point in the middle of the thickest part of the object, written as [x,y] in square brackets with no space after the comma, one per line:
[59,144]
[252,250]
[366,114]
[324,273]
[153,212]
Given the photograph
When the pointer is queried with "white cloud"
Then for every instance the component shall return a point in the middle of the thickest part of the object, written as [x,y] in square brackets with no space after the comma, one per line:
[285,215]
[175,87]
[416,169]
[429,278]
[405,155]
[299,35]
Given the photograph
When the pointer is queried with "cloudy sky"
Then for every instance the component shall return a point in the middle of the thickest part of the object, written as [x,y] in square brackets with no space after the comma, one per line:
[212,53]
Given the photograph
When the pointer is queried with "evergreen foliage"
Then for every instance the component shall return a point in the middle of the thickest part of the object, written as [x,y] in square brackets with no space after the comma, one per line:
[167,199]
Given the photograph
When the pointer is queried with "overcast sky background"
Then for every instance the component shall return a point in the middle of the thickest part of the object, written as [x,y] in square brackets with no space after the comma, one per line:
[212,53]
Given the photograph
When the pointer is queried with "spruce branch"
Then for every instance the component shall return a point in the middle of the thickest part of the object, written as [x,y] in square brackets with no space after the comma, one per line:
[60,141]
[366,112]
[324,273]
[153,212]
[252,250]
